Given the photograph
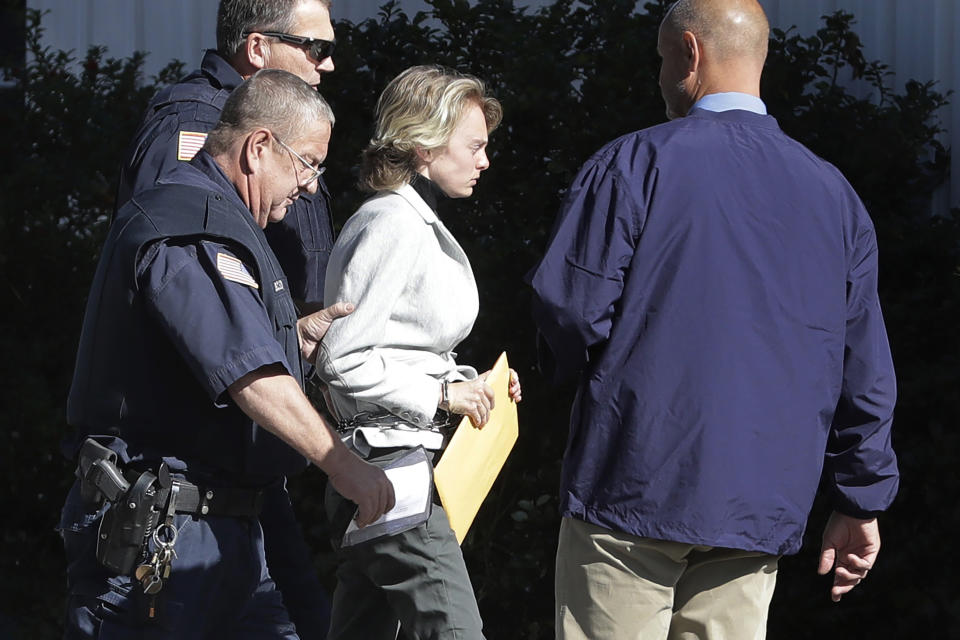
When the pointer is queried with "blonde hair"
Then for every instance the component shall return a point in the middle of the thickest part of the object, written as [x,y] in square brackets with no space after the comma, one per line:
[419,110]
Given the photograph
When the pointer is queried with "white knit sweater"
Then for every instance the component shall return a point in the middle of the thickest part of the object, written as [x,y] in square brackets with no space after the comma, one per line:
[415,298]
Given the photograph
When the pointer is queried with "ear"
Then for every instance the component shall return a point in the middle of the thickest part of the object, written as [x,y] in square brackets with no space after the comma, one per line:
[425,156]
[254,150]
[691,51]
[257,50]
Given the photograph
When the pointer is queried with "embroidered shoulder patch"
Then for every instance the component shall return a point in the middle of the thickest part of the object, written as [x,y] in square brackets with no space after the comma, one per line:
[234,270]
[189,143]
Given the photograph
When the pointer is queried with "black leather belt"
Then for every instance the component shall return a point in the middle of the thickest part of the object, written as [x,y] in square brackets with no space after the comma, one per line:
[201,500]
[217,501]
[196,500]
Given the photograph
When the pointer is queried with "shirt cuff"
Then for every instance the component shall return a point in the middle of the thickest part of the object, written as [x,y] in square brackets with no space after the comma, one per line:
[218,381]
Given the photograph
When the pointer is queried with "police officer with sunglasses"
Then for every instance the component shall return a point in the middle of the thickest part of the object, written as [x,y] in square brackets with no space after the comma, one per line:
[293,35]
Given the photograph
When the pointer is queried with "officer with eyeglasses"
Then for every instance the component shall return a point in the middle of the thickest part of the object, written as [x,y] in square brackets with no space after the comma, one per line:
[308,174]
[187,394]
[296,36]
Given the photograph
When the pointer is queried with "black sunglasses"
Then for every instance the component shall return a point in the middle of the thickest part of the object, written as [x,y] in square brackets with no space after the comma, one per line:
[319,49]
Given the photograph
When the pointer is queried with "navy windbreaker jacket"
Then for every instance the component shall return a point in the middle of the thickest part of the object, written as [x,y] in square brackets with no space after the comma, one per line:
[713,284]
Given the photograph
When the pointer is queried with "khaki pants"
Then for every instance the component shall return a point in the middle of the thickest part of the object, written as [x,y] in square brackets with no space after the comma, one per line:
[616,586]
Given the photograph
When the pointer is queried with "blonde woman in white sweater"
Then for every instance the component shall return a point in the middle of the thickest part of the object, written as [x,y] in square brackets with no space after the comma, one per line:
[389,367]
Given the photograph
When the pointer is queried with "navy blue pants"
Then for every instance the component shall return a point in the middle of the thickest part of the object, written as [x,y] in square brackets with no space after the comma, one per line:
[291,566]
[219,586]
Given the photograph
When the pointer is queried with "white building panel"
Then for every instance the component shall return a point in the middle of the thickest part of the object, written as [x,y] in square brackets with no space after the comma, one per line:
[166,29]
[917,39]
[359,10]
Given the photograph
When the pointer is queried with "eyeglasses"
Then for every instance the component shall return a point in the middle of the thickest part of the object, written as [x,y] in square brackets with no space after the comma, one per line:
[319,49]
[315,172]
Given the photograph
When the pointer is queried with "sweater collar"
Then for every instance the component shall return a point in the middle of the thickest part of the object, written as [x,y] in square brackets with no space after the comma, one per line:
[427,189]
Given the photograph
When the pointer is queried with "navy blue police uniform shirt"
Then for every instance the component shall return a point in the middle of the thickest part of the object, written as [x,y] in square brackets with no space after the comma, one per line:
[207,300]
[174,128]
[714,286]
[201,324]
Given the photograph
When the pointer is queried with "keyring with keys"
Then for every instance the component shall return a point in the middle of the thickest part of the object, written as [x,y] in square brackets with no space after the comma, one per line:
[153,574]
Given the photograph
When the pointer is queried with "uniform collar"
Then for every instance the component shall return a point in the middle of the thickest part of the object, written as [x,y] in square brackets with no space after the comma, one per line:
[203,171]
[220,71]
[209,167]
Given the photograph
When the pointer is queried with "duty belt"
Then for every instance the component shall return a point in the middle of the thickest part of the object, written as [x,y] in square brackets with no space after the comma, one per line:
[101,478]
[222,501]
[138,530]
[200,500]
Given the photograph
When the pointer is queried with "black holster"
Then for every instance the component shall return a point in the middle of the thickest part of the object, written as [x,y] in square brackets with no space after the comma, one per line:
[129,523]
[100,478]
[136,502]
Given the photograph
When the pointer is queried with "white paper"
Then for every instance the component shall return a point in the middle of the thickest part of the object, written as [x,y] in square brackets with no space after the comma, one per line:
[412,489]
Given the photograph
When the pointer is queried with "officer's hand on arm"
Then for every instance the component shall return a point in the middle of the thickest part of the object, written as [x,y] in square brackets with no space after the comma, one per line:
[850,547]
[311,328]
[272,398]
[472,398]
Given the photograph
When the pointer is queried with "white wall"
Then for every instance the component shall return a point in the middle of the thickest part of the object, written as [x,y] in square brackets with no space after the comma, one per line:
[357,10]
[918,39]
[167,29]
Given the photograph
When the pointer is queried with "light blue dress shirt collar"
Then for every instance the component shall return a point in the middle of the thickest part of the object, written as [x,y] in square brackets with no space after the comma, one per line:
[731,100]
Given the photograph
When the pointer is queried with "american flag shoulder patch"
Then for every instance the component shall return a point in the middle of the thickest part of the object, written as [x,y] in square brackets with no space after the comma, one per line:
[189,143]
[234,270]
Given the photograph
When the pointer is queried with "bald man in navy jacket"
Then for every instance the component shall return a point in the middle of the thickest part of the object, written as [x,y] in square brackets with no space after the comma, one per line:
[712,284]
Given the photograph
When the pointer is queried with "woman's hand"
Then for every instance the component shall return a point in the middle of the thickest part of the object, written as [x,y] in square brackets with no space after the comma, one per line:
[514,388]
[472,398]
[475,398]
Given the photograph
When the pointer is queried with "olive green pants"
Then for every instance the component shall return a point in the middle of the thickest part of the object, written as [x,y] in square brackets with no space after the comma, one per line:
[616,586]
[417,578]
